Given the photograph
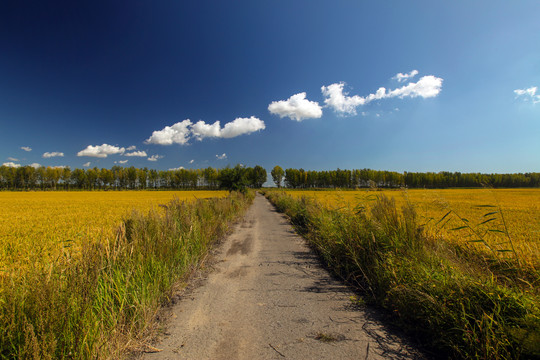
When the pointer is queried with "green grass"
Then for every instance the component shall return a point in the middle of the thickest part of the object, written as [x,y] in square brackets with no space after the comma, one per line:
[102,305]
[453,306]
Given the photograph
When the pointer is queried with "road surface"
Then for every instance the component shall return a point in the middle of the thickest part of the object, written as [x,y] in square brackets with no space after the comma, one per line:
[267,297]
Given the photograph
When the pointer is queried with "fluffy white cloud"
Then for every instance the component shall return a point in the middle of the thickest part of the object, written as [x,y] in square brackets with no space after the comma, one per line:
[137,153]
[12,159]
[528,94]
[403,77]
[35,165]
[86,164]
[60,167]
[26,148]
[155,157]
[297,107]
[179,133]
[52,154]
[427,87]
[337,99]
[191,161]
[241,126]
[101,151]
[130,148]
[221,157]
[11,164]
[200,130]
[175,169]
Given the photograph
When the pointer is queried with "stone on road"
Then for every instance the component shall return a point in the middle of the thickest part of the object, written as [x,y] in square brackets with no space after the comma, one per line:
[268,298]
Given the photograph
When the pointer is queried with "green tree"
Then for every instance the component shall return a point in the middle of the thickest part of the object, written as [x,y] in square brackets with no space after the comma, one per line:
[277,175]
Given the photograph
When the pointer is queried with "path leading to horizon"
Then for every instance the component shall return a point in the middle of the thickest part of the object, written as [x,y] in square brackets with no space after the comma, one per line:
[267,297]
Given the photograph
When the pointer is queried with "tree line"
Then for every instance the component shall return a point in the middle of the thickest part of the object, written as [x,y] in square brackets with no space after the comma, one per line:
[131,178]
[300,178]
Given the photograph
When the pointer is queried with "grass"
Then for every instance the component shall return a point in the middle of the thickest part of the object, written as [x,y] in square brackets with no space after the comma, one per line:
[436,290]
[515,214]
[100,304]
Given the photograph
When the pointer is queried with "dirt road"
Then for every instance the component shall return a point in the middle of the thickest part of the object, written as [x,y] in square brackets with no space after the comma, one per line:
[268,298]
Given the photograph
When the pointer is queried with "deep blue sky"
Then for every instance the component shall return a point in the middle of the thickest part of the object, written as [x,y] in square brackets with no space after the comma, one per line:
[75,74]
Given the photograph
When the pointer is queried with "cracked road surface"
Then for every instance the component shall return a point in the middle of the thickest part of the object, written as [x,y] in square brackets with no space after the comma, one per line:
[267,297]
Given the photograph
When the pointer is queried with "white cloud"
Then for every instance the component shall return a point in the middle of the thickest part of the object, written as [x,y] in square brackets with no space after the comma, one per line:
[337,99]
[241,126]
[130,148]
[86,164]
[177,134]
[528,94]
[181,132]
[297,107]
[35,165]
[221,157]
[101,151]
[191,161]
[427,87]
[155,157]
[11,164]
[26,148]
[200,130]
[137,153]
[178,168]
[121,161]
[403,77]
[59,167]
[52,154]
[12,159]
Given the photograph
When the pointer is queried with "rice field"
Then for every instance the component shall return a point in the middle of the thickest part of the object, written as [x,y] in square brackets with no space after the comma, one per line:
[520,209]
[38,227]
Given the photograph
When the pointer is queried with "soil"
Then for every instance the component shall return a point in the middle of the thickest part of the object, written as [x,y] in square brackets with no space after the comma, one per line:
[268,297]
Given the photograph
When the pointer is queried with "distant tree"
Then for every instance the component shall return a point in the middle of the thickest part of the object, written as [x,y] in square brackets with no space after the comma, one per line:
[258,176]
[233,179]
[277,175]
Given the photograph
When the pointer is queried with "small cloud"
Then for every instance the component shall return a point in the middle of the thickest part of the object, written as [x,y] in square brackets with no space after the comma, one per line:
[297,107]
[121,162]
[136,153]
[11,164]
[52,154]
[528,94]
[403,77]
[181,132]
[35,165]
[176,134]
[60,167]
[396,109]
[86,164]
[26,148]
[191,161]
[12,159]
[378,115]
[155,157]
[178,168]
[221,157]
[130,148]
[336,98]
[101,151]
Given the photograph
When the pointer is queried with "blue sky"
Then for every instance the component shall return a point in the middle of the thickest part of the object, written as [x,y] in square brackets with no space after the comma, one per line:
[293,83]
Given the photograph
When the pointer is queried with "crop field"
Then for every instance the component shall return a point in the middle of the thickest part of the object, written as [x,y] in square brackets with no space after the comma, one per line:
[38,227]
[515,214]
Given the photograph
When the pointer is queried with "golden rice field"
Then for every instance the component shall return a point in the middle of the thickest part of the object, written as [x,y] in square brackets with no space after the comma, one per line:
[520,209]
[38,227]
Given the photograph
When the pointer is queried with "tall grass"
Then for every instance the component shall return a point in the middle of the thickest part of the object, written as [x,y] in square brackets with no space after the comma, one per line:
[455,307]
[99,304]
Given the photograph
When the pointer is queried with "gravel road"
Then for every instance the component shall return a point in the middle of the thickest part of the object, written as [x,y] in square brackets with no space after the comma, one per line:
[267,297]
